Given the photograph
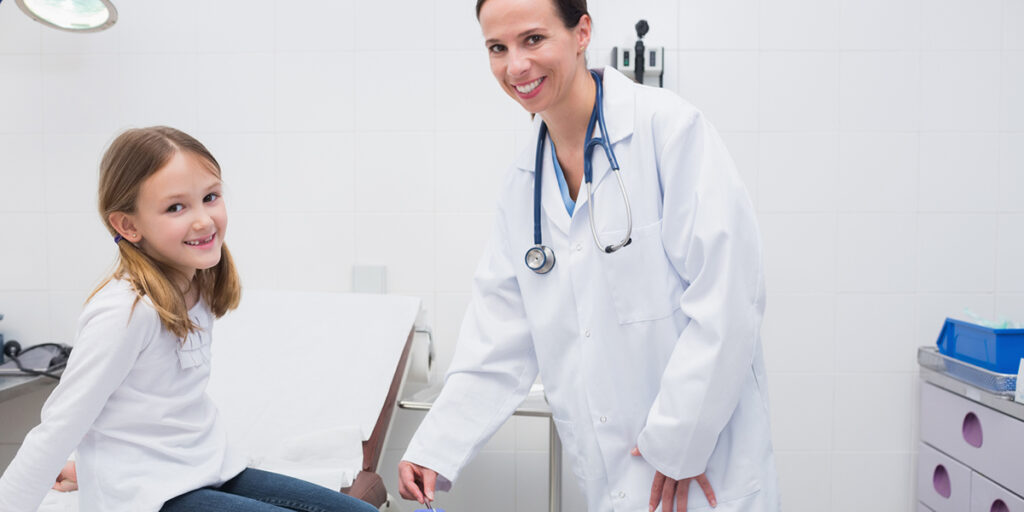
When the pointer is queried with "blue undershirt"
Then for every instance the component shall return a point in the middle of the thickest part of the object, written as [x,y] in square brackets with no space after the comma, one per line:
[563,187]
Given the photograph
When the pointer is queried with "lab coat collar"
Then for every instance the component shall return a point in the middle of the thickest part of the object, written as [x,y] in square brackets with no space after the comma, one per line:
[619,108]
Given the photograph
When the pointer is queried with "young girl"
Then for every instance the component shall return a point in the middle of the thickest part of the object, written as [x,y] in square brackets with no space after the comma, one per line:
[133,397]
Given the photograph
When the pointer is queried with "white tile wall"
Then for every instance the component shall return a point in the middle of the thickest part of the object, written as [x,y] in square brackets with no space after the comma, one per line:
[161,27]
[878,172]
[799,24]
[805,480]
[797,423]
[877,481]
[887,427]
[1011,172]
[1012,100]
[876,252]
[799,333]
[235,92]
[800,252]
[799,91]
[723,85]
[18,34]
[24,185]
[236,26]
[798,172]
[962,24]
[875,333]
[328,28]
[959,172]
[176,89]
[879,90]
[25,268]
[80,238]
[315,91]
[718,24]
[1010,253]
[880,24]
[391,181]
[960,90]
[880,140]
[23,80]
[955,252]
[1013,26]
[71,164]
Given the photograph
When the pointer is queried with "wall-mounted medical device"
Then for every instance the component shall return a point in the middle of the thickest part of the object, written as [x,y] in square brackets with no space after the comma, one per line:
[71,15]
[643,64]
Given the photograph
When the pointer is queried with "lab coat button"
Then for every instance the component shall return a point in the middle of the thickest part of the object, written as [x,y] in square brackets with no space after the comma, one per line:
[586,332]
[622,494]
[604,419]
[579,247]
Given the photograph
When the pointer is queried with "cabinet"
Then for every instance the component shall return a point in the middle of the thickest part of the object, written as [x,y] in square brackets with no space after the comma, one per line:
[971,455]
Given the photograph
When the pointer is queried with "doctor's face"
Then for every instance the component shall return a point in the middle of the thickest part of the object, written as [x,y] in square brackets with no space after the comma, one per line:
[534,57]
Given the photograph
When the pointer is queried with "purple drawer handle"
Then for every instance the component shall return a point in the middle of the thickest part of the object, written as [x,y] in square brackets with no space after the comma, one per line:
[940,480]
[972,430]
[999,506]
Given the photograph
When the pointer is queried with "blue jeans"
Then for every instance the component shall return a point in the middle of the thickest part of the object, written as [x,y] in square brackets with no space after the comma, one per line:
[254,490]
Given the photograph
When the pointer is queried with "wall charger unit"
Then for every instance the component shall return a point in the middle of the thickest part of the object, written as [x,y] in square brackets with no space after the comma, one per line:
[624,60]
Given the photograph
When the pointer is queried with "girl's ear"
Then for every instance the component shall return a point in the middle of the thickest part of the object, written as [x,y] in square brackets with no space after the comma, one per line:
[124,224]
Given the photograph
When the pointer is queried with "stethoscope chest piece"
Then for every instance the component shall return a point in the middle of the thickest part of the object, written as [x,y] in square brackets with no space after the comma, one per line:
[540,259]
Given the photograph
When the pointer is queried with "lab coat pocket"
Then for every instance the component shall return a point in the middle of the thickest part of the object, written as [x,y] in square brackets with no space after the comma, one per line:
[580,465]
[642,282]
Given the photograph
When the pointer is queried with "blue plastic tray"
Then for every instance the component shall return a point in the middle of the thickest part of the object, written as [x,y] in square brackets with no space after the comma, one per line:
[997,350]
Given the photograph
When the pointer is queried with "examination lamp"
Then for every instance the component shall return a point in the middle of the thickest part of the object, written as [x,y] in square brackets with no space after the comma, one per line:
[71,15]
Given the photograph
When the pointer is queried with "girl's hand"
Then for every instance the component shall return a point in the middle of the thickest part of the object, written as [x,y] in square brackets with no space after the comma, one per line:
[411,476]
[669,491]
[67,480]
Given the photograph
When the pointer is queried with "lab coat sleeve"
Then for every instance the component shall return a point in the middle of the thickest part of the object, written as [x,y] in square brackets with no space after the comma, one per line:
[710,234]
[108,343]
[492,370]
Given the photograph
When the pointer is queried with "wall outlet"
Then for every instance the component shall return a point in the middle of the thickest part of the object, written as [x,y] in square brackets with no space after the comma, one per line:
[369,279]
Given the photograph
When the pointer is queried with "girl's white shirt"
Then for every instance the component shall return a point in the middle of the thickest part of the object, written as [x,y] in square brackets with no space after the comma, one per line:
[133,401]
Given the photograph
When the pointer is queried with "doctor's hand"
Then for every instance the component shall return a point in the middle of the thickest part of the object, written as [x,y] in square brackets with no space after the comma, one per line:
[667,490]
[410,479]
[67,480]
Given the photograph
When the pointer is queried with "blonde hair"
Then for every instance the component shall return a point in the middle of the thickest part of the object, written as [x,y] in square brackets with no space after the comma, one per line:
[134,156]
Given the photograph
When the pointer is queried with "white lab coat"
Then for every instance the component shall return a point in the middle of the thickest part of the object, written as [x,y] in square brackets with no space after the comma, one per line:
[655,345]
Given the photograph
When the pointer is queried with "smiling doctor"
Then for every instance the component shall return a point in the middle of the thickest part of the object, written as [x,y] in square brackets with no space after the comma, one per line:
[625,267]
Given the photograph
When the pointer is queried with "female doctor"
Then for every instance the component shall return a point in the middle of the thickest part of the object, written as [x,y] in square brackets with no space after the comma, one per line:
[637,294]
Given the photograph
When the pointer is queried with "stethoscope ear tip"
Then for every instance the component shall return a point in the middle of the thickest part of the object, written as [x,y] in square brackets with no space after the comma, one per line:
[611,248]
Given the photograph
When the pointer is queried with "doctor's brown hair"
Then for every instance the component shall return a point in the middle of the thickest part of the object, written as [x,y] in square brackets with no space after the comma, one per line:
[134,156]
[569,10]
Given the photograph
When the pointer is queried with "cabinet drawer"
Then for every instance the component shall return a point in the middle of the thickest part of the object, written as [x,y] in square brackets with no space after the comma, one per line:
[943,484]
[987,496]
[982,438]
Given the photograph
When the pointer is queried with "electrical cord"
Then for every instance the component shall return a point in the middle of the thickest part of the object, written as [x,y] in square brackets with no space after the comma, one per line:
[13,350]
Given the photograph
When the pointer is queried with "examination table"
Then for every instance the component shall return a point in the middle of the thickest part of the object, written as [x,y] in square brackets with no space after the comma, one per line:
[307,384]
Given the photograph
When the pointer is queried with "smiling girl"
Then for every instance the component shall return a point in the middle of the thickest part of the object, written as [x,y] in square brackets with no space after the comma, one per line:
[133,397]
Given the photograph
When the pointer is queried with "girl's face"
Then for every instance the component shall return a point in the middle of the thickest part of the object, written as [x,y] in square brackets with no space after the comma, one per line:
[180,215]
[534,57]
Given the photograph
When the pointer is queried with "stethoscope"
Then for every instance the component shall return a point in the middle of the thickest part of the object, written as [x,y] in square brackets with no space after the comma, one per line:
[540,258]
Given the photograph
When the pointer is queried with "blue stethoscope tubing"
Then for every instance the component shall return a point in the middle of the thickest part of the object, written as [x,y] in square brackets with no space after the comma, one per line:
[540,258]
